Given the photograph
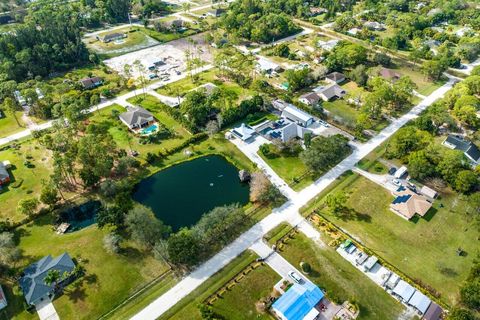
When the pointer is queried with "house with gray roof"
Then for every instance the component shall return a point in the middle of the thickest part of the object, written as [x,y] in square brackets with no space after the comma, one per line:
[4,175]
[335,77]
[330,92]
[470,150]
[109,37]
[137,118]
[33,283]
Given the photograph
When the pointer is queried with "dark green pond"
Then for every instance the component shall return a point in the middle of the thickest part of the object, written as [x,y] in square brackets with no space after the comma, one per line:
[181,194]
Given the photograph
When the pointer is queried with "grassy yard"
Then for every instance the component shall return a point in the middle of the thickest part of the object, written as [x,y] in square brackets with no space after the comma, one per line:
[239,303]
[25,181]
[181,87]
[425,248]
[9,126]
[341,280]
[342,112]
[109,279]
[187,307]
[291,169]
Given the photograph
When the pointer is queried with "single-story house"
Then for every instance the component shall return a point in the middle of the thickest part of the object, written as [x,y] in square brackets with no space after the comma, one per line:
[297,116]
[330,92]
[216,12]
[90,83]
[335,77]
[420,302]
[137,118]
[33,283]
[109,37]
[310,99]
[208,88]
[403,291]
[299,302]
[3,299]
[354,31]
[174,24]
[389,74]
[470,150]
[434,312]
[314,11]
[374,25]
[267,66]
[244,132]
[20,99]
[4,175]
[327,45]
[428,192]
[408,203]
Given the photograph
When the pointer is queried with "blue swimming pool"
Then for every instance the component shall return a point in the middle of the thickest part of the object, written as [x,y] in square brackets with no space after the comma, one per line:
[150,129]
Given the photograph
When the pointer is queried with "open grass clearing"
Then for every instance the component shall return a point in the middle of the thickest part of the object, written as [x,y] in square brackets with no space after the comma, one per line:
[25,180]
[424,248]
[8,124]
[239,302]
[340,280]
[109,279]
[187,307]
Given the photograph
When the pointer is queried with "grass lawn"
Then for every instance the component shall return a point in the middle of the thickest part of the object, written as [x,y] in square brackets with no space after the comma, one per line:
[424,248]
[342,112]
[168,36]
[109,279]
[136,39]
[181,87]
[289,169]
[9,126]
[239,302]
[187,307]
[341,280]
[25,181]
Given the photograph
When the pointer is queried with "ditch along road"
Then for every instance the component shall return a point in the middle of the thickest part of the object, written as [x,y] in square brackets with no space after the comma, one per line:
[289,212]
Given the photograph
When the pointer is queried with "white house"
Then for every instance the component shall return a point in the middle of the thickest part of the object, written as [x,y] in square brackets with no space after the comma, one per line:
[267,66]
[297,116]
[244,132]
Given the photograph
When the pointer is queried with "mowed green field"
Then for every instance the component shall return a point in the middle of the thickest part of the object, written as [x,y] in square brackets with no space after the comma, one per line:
[9,126]
[340,280]
[109,279]
[424,248]
[26,181]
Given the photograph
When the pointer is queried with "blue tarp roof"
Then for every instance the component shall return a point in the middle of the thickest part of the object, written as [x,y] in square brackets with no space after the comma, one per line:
[298,301]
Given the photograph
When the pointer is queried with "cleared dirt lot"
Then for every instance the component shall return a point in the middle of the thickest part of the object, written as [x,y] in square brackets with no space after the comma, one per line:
[172,53]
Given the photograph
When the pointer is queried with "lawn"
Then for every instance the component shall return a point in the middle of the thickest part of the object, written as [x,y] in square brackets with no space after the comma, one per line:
[340,280]
[181,87]
[291,169]
[9,126]
[109,279]
[424,248]
[342,112]
[239,302]
[187,307]
[25,181]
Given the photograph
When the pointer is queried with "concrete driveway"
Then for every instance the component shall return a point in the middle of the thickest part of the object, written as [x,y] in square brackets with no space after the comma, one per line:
[46,311]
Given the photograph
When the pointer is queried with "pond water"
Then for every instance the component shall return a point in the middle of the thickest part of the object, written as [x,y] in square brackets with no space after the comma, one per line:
[181,194]
[80,216]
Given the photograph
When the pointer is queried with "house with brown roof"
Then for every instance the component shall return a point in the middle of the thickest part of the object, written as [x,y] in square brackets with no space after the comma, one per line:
[408,203]
[335,77]
[389,74]
[310,99]
[90,83]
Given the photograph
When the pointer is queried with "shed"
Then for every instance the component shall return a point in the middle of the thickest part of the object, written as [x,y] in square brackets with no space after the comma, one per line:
[370,263]
[420,302]
[403,290]
[434,312]
[428,192]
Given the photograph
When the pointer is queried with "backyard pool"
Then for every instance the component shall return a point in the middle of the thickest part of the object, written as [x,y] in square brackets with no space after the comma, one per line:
[150,129]
[181,194]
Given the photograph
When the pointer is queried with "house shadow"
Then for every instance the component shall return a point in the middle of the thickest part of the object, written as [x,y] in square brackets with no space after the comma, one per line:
[430,214]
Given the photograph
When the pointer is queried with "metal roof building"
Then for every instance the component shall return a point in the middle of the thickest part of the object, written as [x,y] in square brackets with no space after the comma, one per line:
[420,302]
[299,302]
[403,290]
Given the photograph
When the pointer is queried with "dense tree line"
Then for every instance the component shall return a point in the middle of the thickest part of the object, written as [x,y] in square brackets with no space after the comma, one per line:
[48,41]
[325,152]
[254,20]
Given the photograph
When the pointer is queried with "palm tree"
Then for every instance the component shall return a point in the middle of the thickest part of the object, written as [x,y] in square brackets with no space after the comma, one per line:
[52,278]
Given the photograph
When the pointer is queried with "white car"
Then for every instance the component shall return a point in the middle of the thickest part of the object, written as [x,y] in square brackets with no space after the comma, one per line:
[397,182]
[295,277]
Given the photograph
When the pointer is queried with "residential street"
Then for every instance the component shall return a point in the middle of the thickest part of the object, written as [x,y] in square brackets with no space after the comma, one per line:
[288,212]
